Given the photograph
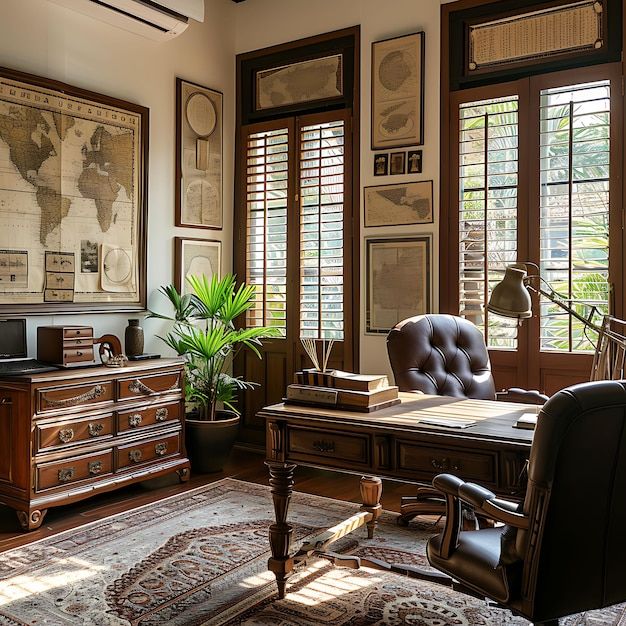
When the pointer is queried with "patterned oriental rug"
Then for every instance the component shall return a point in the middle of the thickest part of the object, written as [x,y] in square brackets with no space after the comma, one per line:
[199,559]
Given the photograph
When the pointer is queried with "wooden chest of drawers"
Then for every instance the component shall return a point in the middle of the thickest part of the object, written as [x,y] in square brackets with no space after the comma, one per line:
[65,346]
[70,434]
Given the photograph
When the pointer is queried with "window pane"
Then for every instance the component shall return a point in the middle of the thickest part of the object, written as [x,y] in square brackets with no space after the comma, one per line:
[488,181]
[266,254]
[574,201]
[321,230]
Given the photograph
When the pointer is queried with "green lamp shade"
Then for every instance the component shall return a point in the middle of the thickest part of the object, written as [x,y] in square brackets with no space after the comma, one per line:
[509,297]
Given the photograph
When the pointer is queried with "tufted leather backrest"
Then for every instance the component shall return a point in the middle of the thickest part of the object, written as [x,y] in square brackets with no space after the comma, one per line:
[441,355]
[575,549]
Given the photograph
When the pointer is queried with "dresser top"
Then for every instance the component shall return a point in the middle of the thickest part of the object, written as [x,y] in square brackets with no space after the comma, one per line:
[94,371]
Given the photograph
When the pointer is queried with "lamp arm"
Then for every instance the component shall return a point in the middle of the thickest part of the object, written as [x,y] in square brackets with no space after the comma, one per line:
[553,297]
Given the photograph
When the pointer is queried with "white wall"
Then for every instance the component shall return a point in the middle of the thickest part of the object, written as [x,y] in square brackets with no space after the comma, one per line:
[42,38]
[261,23]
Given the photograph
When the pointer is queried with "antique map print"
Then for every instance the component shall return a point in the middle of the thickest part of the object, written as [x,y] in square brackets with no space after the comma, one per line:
[399,205]
[397,92]
[306,81]
[398,281]
[69,172]
[199,187]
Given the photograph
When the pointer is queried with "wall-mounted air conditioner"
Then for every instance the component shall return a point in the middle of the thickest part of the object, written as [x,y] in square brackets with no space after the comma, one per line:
[155,19]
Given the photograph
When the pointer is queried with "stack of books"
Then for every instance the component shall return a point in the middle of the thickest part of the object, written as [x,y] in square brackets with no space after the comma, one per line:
[342,390]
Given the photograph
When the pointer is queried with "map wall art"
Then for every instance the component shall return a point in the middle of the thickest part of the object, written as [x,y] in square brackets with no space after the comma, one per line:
[199,156]
[72,198]
[397,92]
[399,205]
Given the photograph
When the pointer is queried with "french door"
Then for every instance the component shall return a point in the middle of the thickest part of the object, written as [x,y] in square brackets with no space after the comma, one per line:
[295,234]
[536,169]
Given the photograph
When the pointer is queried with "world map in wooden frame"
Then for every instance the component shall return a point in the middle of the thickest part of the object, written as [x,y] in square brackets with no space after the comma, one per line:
[72,198]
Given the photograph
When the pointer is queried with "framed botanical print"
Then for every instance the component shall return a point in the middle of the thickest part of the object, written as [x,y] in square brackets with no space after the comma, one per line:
[399,280]
[402,204]
[198,156]
[398,92]
[381,164]
[194,257]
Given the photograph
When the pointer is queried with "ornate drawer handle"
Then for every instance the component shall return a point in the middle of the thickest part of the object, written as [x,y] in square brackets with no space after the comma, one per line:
[160,448]
[439,465]
[161,415]
[134,420]
[135,456]
[92,394]
[95,429]
[137,386]
[66,435]
[324,446]
[95,467]
[66,474]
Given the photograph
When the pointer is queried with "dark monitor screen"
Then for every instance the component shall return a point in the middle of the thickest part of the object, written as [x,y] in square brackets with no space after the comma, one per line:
[12,339]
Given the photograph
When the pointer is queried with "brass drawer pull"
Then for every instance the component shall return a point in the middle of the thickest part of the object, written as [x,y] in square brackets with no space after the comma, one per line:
[95,467]
[161,415]
[324,446]
[160,448]
[92,394]
[66,474]
[66,435]
[439,465]
[135,456]
[95,429]
[137,386]
[134,420]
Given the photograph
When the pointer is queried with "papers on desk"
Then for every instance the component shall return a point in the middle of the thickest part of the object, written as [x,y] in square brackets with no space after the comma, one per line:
[447,422]
[527,421]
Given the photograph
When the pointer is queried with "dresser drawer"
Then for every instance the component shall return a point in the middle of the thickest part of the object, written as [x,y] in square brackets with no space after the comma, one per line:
[324,446]
[77,354]
[70,396]
[148,416]
[72,333]
[423,461]
[147,450]
[74,469]
[61,434]
[145,386]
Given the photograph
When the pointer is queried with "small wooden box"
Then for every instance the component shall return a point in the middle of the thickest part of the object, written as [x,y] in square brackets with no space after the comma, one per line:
[65,346]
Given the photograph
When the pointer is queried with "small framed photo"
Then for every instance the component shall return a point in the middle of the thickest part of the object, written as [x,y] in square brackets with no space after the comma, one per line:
[397,163]
[194,257]
[414,162]
[401,204]
[398,280]
[381,164]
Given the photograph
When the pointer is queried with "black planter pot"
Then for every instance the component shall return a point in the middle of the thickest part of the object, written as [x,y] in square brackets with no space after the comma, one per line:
[209,443]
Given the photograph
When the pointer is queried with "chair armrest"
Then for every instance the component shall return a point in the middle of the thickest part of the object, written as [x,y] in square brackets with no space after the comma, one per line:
[448,483]
[495,508]
[527,396]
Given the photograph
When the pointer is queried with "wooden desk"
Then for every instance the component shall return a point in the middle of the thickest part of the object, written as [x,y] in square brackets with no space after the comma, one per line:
[392,443]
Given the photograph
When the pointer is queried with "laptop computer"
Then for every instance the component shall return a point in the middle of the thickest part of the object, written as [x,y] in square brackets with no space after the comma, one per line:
[13,351]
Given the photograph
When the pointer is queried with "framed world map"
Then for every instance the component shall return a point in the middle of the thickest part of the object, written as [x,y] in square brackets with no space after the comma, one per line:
[73,172]
[398,92]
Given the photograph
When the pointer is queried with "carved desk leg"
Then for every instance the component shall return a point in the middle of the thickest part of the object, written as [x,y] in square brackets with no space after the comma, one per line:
[371,491]
[281,482]
[31,520]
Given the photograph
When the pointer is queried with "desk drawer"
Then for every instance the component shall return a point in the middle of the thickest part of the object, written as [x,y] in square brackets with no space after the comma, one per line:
[426,461]
[147,450]
[74,469]
[146,386]
[327,447]
[61,434]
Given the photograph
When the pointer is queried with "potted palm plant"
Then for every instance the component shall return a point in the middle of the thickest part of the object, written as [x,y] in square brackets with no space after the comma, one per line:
[204,334]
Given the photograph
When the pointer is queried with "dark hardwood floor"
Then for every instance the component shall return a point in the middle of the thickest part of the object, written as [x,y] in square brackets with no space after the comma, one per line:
[243,465]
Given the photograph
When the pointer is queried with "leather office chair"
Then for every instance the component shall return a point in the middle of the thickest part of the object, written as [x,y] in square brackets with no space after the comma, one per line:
[443,355]
[564,550]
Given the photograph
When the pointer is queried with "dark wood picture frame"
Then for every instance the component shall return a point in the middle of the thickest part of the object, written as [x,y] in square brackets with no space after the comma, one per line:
[179,259]
[178,157]
[78,93]
[427,239]
[397,163]
[418,138]
[381,164]
[417,156]
[367,218]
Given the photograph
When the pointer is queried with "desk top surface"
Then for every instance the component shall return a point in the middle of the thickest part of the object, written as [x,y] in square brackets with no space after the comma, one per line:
[418,412]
